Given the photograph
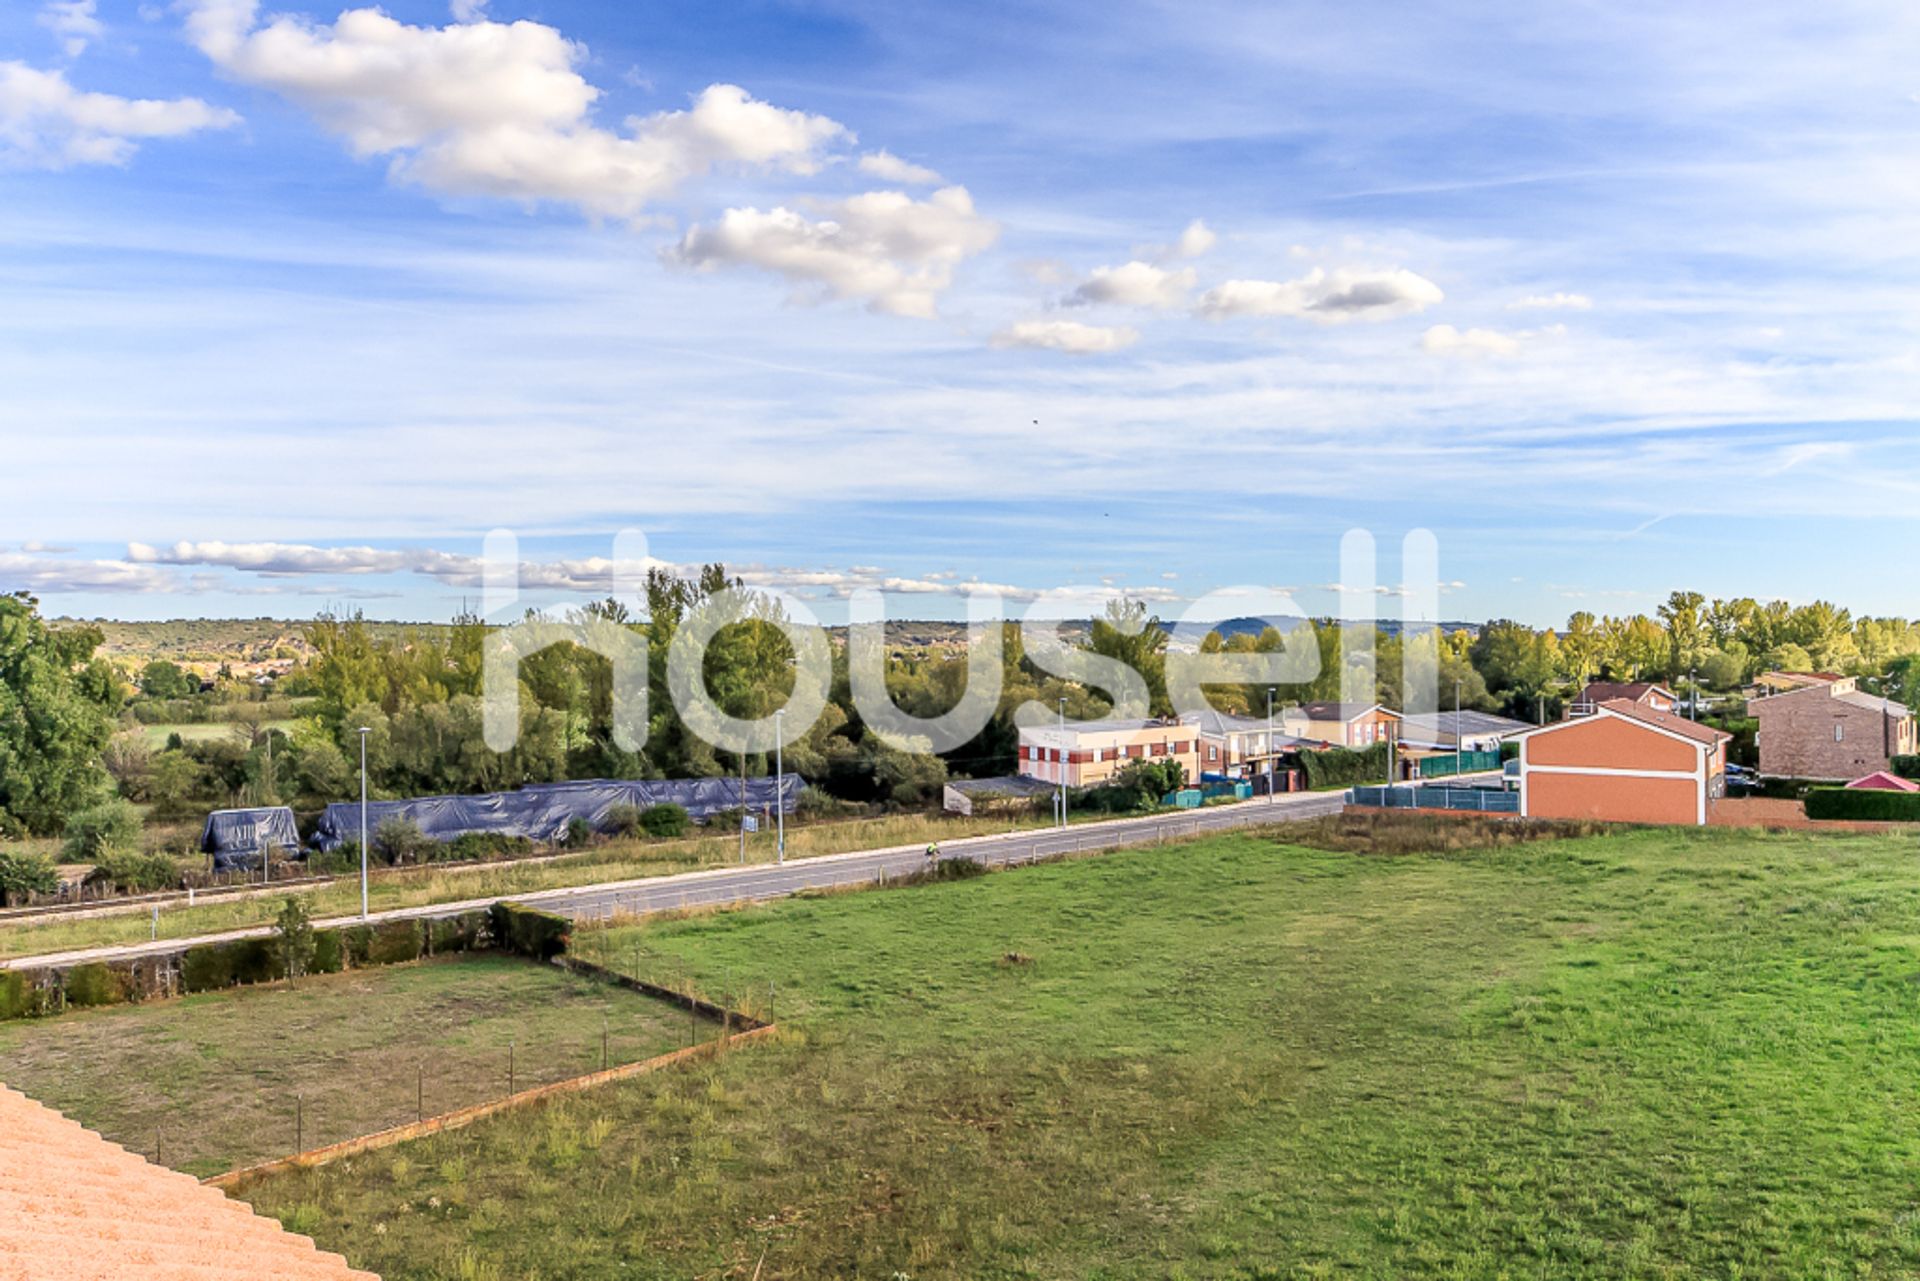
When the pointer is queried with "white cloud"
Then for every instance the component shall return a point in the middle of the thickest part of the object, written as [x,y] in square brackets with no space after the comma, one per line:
[1552,302]
[1197,239]
[1328,297]
[895,252]
[29,573]
[74,22]
[890,168]
[1469,344]
[496,109]
[468,10]
[1066,335]
[46,123]
[1135,284]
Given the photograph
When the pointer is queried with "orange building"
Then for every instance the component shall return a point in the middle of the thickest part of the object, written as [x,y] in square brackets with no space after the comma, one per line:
[1087,753]
[1624,763]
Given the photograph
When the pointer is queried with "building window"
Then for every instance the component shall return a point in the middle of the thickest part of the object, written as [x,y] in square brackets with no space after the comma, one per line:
[1839,733]
[1099,754]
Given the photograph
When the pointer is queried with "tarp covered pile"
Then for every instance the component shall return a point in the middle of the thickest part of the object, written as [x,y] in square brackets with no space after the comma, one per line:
[542,811]
[235,838]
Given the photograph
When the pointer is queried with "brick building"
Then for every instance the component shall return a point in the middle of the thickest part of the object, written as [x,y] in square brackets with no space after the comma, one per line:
[1829,730]
[1623,763]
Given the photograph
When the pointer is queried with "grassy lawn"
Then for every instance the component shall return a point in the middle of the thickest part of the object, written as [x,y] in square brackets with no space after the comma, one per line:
[414,887]
[1643,1054]
[212,1078]
[202,731]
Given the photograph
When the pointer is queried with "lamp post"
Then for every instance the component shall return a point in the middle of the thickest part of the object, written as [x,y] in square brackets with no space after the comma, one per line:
[364,731]
[1272,758]
[779,788]
[1456,729]
[1062,761]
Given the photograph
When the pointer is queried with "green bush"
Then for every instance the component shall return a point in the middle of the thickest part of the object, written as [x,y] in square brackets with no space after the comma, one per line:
[579,833]
[23,873]
[394,943]
[206,968]
[1345,767]
[329,955]
[256,960]
[1907,767]
[357,940]
[463,933]
[529,931]
[400,840]
[623,820]
[661,821]
[137,873]
[18,998]
[110,826]
[94,984]
[474,847]
[1865,805]
[1137,785]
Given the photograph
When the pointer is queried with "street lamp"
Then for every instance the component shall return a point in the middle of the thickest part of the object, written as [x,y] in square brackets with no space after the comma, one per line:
[1061,762]
[779,789]
[364,731]
[1456,729]
[1272,759]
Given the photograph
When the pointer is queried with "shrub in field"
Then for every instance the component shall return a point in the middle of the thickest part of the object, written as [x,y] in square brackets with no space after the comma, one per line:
[462,933]
[474,847]
[19,999]
[23,873]
[579,834]
[109,826]
[623,820]
[293,937]
[136,873]
[206,968]
[665,821]
[1864,805]
[329,954]
[94,984]
[400,840]
[255,960]
[529,931]
[394,942]
[357,942]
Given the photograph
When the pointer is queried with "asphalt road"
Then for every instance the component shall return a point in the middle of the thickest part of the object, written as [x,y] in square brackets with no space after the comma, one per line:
[767,881]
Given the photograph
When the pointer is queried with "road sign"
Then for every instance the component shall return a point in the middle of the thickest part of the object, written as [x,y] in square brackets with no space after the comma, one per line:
[748,823]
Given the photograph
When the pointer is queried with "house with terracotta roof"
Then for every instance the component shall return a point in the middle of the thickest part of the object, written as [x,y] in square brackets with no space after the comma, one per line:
[79,1208]
[1342,724]
[1647,694]
[1830,730]
[1624,762]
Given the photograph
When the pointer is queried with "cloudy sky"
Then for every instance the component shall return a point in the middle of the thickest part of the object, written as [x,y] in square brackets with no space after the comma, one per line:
[297,303]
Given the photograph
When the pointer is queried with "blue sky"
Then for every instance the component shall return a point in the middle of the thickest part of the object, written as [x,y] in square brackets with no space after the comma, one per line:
[296,303]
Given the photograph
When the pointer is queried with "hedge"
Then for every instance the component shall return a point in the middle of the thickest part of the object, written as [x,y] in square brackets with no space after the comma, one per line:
[1907,767]
[1863,805]
[1344,767]
[529,931]
[94,984]
[329,953]
[395,943]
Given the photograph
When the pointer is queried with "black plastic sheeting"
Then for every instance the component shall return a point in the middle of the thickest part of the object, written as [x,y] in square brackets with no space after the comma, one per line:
[236,838]
[542,811]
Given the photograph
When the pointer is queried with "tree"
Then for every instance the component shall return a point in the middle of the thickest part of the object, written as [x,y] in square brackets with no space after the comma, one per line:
[57,704]
[23,873]
[107,828]
[1128,633]
[177,781]
[161,679]
[293,938]
[1687,635]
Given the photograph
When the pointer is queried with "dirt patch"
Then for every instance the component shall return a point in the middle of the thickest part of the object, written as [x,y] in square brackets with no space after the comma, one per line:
[1762,811]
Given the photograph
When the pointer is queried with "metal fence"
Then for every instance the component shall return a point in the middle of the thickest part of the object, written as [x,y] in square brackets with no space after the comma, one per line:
[1456,763]
[1482,800]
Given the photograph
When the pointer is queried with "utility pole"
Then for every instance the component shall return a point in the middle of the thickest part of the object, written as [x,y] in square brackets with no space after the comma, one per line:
[1272,757]
[364,731]
[743,808]
[779,788]
[1456,729]
[1061,763]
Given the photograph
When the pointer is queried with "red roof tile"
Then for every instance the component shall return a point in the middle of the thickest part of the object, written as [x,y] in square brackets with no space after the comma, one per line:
[79,1208]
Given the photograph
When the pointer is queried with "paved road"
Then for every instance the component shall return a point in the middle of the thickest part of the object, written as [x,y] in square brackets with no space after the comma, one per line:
[767,881]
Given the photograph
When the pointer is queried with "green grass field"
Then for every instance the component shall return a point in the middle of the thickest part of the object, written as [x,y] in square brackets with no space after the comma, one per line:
[157,735]
[211,1079]
[1645,1054]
